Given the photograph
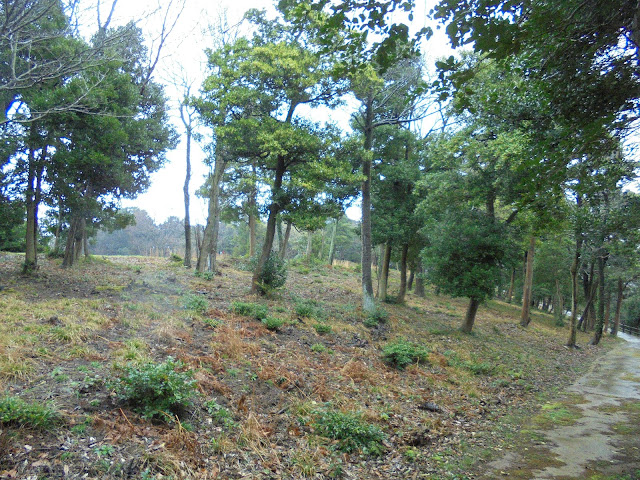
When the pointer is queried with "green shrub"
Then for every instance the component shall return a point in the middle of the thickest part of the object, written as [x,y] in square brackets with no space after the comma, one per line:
[273,275]
[322,328]
[220,414]
[402,353]
[156,390]
[376,317]
[195,303]
[175,258]
[273,323]
[15,411]
[254,310]
[351,431]
[306,308]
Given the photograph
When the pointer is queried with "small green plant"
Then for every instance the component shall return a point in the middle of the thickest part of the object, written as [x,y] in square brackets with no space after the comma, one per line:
[173,258]
[208,276]
[213,322]
[104,450]
[402,353]
[378,316]
[159,390]
[306,308]
[273,323]
[195,303]
[254,310]
[16,412]
[351,431]
[322,328]
[273,275]
[220,414]
[319,348]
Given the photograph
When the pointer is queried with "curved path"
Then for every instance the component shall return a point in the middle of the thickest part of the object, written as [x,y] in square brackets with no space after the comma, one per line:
[604,441]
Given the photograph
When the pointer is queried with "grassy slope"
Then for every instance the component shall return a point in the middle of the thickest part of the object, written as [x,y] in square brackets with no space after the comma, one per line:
[66,333]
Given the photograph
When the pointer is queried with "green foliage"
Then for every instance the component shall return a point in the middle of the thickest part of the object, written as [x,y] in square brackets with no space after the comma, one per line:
[247,309]
[466,254]
[174,258]
[220,414]
[322,328]
[273,323]
[350,429]
[195,303]
[306,308]
[273,275]
[401,354]
[156,390]
[16,412]
[376,317]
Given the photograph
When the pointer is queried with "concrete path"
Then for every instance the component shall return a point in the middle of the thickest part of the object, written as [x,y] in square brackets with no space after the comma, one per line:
[602,442]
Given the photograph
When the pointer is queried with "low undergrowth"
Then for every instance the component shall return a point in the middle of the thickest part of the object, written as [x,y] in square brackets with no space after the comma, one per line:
[158,373]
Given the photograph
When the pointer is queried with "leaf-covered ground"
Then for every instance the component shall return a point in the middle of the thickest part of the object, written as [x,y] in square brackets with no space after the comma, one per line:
[67,334]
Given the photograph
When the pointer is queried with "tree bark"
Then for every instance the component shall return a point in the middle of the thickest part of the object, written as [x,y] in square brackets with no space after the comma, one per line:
[599,326]
[616,319]
[274,209]
[368,304]
[525,316]
[208,251]
[585,314]
[332,245]
[384,276]
[470,317]
[511,286]
[285,241]
[412,276]
[403,273]
[419,290]
[309,246]
[571,341]
[251,207]
[558,306]
[185,191]
[31,253]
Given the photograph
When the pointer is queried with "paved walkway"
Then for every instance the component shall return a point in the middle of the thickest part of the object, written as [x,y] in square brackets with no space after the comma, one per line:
[591,446]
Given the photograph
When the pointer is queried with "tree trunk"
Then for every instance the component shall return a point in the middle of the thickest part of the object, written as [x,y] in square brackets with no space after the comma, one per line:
[582,323]
[309,246]
[470,317]
[419,290]
[274,209]
[332,245]
[185,190]
[511,286]
[56,242]
[616,320]
[285,241]
[558,307]
[198,240]
[368,304]
[31,253]
[403,273]
[69,250]
[251,207]
[607,310]
[412,276]
[599,326]
[384,276]
[525,316]
[209,249]
[85,238]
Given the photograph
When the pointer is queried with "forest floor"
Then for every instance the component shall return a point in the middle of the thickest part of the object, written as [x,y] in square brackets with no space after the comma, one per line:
[313,399]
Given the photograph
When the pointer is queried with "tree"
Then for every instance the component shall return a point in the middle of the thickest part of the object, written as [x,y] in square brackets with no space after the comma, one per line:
[581,55]
[253,99]
[465,254]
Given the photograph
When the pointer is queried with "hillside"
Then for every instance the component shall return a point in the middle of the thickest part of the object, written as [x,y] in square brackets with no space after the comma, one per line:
[310,398]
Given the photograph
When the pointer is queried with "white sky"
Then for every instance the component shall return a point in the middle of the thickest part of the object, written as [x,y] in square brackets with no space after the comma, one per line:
[185,51]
